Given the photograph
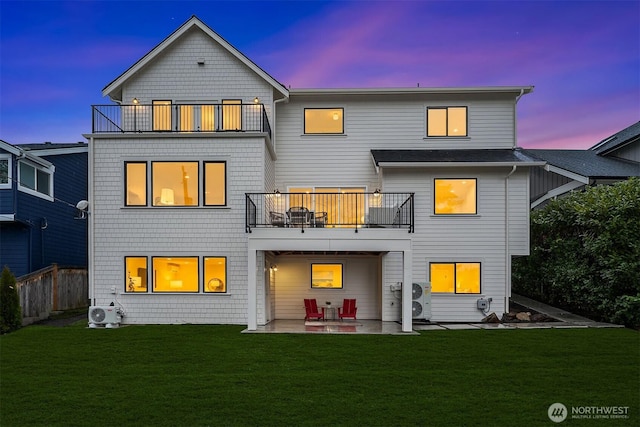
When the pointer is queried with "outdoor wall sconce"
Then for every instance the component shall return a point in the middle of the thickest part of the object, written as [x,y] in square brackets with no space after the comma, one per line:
[135,101]
[256,100]
[274,267]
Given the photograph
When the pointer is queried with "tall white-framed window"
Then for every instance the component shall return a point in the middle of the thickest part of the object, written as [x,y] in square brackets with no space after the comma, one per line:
[5,171]
[35,179]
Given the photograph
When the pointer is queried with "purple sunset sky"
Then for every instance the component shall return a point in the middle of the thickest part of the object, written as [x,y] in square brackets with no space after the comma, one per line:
[583,57]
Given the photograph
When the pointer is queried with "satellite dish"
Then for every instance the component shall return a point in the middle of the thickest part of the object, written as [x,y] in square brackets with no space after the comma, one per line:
[83,205]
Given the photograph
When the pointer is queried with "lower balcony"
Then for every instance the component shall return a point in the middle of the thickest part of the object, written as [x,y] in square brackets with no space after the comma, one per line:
[329,210]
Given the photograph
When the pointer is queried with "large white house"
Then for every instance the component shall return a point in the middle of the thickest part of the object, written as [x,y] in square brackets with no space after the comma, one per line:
[218,195]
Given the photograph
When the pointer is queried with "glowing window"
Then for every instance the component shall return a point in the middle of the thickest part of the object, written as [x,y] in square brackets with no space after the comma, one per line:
[186,118]
[215,274]
[231,114]
[455,196]
[323,120]
[326,276]
[136,183]
[447,121]
[208,118]
[136,274]
[301,197]
[215,178]
[161,115]
[459,278]
[174,183]
[175,274]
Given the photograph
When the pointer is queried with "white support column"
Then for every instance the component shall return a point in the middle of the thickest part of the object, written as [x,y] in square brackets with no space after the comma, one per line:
[252,297]
[407,284]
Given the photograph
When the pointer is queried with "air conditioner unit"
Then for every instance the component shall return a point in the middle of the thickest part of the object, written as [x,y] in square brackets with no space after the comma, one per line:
[421,301]
[109,316]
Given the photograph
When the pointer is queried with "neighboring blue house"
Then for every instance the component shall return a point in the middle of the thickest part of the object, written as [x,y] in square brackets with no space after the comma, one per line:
[40,184]
[615,158]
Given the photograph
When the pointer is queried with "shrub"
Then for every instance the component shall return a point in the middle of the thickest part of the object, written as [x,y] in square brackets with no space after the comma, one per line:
[585,253]
[10,313]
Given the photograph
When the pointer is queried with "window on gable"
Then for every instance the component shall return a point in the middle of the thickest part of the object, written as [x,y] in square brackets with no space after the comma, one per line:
[231,114]
[5,171]
[447,121]
[455,277]
[161,115]
[35,179]
[135,183]
[323,120]
[455,196]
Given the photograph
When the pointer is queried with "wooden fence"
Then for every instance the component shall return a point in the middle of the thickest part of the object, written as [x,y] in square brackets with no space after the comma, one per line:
[52,289]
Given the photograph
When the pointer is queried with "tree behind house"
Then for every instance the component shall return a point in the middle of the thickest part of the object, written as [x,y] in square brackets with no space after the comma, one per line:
[585,254]
[10,312]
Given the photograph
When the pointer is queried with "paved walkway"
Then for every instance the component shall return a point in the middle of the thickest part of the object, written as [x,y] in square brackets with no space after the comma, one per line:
[563,317]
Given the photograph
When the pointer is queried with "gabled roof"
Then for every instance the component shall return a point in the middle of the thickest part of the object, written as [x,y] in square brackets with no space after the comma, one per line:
[114,89]
[618,140]
[404,158]
[586,163]
[21,153]
[49,149]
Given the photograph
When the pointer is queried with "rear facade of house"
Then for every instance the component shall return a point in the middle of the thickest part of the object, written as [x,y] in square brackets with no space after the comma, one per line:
[217,195]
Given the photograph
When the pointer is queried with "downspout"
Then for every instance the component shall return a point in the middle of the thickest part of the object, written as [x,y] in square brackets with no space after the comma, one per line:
[507,256]
[515,121]
[90,227]
[273,115]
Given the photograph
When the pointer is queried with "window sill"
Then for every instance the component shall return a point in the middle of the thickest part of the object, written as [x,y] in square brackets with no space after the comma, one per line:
[446,138]
[322,135]
[455,216]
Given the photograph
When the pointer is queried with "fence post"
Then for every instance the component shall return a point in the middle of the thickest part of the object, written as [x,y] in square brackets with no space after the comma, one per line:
[54,282]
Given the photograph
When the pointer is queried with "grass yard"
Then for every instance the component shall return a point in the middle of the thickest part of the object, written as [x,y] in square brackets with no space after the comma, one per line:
[215,376]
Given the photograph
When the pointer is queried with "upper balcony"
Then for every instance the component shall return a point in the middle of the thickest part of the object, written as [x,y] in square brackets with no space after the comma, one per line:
[163,116]
[329,210]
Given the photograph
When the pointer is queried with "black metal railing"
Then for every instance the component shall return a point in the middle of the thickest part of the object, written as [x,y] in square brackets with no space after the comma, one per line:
[141,118]
[329,210]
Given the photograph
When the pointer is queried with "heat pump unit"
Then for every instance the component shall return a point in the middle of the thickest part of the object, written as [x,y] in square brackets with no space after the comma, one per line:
[108,316]
[421,301]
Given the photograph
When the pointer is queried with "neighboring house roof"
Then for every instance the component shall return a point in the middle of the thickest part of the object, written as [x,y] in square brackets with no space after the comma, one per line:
[404,158]
[586,163]
[19,152]
[114,89]
[624,137]
[49,149]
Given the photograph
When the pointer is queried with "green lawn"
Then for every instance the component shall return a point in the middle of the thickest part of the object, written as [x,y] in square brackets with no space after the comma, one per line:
[214,375]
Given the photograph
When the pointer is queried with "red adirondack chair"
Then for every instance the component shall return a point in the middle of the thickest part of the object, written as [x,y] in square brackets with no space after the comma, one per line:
[348,309]
[311,307]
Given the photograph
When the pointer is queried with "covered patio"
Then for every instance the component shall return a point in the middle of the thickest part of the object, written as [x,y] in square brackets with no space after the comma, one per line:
[369,327]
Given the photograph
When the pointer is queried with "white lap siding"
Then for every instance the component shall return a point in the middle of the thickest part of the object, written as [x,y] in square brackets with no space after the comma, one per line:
[293,285]
[468,238]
